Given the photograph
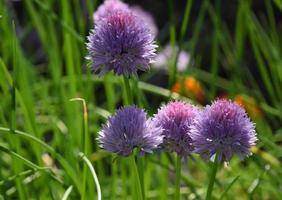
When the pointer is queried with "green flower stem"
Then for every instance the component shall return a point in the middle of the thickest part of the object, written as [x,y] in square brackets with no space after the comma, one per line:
[127,91]
[128,100]
[178,177]
[114,180]
[136,177]
[212,178]
[124,179]
[140,163]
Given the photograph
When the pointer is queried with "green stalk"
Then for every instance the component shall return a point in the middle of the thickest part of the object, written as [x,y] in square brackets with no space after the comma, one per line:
[127,91]
[198,26]
[141,102]
[110,95]
[228,187]
[85,143]
[136,177]
[172,37]
[12,178]
[110,92]
[124,179]
[17,166]
[68,49]
[212,178]
[67,193]
[215,15]
[27,162]
[178,177]
[114,180]
[185,20]
[140,163]
[163,176]
[94,175]
[140,160]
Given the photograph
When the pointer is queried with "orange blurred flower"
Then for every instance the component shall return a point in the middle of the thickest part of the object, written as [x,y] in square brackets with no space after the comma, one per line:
[190,87]
[250,105]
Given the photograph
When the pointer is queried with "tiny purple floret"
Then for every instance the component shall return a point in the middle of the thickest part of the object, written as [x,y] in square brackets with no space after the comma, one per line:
[223,128]
[127,129]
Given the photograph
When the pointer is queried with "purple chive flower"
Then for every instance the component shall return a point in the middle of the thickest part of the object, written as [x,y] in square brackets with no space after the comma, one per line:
[176,119]
[223,128]
[107,8]
[121,43]
[129,128]
[147,19]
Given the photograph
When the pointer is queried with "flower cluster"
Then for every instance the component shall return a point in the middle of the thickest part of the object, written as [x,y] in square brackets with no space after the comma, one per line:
[222,128]
[120,41]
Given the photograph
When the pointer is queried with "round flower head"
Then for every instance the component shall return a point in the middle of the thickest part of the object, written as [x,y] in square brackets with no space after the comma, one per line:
[146,17]
[121,43]
[223,128]
[127,129]
[108,7]
[176,119]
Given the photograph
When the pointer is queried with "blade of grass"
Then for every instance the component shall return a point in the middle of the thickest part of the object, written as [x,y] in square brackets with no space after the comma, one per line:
[17,164]
[260,62]
[69,170]
[12,178]
[197,30]
[255,184]
[215,15]
[94,175]
[172,36]
[228,187]
[86,144]
[27,162]
[67,193]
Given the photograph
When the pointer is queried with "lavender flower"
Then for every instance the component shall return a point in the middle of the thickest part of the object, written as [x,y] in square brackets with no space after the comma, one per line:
[129,128]
[223,128]
[176,119]
[147,19]
[121,43]
[164,57]
[107,8]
